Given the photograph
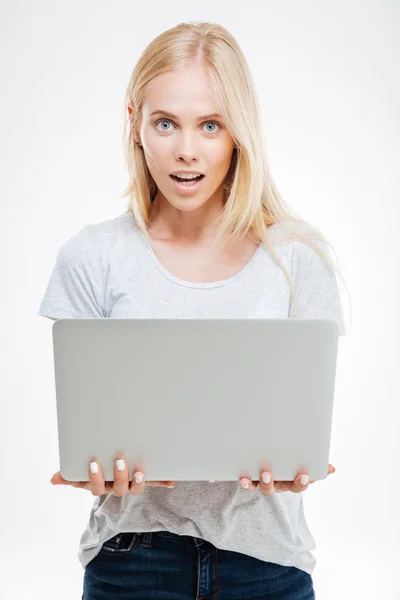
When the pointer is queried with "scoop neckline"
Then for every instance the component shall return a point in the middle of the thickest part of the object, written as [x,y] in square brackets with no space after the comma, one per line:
[193,284]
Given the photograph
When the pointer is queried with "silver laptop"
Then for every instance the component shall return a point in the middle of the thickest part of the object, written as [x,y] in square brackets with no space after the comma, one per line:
[195,399]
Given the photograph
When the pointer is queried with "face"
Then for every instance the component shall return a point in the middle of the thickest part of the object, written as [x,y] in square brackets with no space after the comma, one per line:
[185,141]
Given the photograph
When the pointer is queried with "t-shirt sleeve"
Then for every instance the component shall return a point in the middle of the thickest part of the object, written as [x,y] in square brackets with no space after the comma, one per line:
[76,286]
[317,286]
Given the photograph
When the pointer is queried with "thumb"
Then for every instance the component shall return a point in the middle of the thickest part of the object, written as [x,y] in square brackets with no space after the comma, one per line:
[58,479]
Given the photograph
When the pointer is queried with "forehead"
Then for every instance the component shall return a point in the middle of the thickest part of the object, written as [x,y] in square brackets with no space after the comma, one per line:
[187,91]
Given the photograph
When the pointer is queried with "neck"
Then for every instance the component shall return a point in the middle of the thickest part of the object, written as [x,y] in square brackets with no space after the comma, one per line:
[192,226]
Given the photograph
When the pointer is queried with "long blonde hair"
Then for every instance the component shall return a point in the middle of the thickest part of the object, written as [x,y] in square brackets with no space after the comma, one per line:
[253,202]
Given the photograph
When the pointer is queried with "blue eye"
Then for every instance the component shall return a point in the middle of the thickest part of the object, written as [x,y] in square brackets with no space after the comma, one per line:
[162,121]
[169,121]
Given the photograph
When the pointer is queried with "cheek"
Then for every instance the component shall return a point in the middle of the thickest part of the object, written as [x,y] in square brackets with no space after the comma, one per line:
[221,165]
[155,159]
[222,156]
[156,153]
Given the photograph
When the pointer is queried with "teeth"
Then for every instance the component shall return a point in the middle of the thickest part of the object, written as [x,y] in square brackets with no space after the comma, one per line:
[185,176]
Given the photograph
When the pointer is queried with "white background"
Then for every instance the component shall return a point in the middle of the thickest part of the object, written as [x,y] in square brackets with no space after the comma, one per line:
[328,80]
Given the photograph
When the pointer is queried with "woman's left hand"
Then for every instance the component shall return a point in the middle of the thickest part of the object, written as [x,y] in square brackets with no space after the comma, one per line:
[269,489]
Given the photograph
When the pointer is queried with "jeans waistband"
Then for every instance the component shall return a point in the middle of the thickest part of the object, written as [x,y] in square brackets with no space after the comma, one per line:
[146,538]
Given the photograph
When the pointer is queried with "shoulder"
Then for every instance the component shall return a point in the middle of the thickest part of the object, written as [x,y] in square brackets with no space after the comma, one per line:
[285,234]
[297,251]
[96,239]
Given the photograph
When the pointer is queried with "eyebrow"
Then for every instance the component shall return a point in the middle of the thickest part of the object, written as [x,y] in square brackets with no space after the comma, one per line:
[164,112]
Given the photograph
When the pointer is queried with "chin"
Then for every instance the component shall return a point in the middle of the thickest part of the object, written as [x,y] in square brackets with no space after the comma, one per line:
[187,204]
[184,202]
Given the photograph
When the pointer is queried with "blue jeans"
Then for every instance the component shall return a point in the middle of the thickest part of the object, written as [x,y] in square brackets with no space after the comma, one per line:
[164,566]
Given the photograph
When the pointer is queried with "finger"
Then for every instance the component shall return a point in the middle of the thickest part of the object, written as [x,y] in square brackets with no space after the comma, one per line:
[168,484]
[301,483]
[137,483]
[96,479]
[267,485]
[331,470]
[58,479]
[121,477]
[247,484]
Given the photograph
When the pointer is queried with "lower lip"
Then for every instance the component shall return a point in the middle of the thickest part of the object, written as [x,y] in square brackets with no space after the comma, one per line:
[187,188]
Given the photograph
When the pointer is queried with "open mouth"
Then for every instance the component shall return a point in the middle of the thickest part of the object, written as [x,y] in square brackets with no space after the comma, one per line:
[184,180]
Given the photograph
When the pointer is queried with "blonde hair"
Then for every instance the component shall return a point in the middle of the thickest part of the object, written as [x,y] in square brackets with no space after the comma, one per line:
[253,202]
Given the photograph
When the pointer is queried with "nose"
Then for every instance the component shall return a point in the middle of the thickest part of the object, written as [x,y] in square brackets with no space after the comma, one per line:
[187,148]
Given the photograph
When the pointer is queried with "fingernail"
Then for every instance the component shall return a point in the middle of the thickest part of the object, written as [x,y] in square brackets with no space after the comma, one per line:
[304,479]
[120,464]
[139,478]
[266,478]
[170,486]
[94,468]
[245,486]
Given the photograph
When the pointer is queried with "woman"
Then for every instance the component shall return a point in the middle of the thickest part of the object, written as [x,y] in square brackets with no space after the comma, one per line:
[224,245]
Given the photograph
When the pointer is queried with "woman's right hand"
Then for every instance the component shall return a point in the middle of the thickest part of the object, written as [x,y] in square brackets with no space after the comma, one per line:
[119,487]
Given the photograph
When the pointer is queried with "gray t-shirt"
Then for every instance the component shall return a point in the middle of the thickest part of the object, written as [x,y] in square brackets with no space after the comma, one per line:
[109,270]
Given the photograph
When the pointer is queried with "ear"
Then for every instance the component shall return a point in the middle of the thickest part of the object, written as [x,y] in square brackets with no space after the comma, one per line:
[130,110]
